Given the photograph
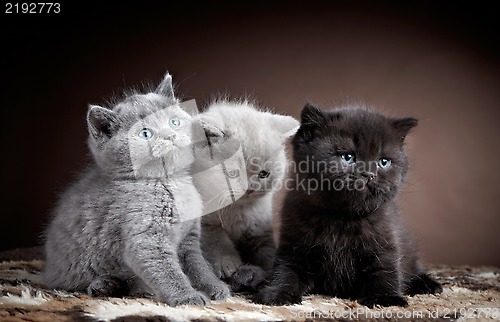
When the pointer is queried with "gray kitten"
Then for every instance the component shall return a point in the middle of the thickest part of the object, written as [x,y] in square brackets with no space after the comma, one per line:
[237,236]
[131,223]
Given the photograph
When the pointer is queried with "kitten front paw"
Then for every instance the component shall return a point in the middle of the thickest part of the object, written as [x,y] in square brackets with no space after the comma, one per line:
[424,284]
[383,300]
[273,296]
[217,291]
[193,298]
[107,286]
[226,266]
[247,278]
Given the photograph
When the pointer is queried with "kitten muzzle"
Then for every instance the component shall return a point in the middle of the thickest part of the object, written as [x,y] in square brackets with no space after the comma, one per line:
[369,176]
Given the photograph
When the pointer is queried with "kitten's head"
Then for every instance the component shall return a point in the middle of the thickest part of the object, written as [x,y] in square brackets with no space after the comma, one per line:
[254,143]
[354,154]
[144,135]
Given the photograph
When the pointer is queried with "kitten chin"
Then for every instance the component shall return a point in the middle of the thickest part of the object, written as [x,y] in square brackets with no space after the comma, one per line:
[345,238]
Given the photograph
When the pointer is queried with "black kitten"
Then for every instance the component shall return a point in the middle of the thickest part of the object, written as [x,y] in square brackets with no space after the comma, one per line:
[341,233]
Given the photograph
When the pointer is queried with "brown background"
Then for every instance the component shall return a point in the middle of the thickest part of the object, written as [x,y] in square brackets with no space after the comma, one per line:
[435,61]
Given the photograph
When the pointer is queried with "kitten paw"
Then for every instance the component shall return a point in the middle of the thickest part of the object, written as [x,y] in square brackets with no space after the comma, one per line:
[273,296]
[247,278]
[226,266]
[217,291]
[424,284]
[107,286]
[383,300]
[194,298]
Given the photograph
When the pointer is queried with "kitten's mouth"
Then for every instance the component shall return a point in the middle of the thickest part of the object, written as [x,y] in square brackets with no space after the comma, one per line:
[252,193]
[248,194]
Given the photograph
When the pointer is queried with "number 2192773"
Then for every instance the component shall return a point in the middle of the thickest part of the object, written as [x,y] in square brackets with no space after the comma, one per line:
[33,7]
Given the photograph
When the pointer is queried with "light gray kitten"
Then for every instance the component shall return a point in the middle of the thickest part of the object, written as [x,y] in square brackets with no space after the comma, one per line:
[131,224]
[237,238]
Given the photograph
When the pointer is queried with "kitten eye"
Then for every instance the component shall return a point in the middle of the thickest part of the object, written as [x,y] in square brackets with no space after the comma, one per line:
[145,134]
[264,174]
[384,163]
[233,174]
[348,158]
[175,122]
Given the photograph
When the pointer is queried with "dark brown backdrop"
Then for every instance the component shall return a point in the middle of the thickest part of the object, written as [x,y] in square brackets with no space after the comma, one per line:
[437,62]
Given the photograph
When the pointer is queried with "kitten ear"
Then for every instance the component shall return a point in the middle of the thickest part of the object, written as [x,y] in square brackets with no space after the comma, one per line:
[102,123]
[190,107]
[211,130]
[312,115]
[311,118]
[285,125]
[211,127]
[403,126]
[165,88]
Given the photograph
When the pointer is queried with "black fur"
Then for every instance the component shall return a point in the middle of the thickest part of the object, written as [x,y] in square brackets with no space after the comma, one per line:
[346,241]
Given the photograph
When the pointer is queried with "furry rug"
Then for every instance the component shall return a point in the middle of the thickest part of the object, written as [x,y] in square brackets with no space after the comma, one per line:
[469,292]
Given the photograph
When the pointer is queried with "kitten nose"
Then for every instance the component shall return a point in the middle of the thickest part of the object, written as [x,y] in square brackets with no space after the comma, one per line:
[369,175]
[167,134]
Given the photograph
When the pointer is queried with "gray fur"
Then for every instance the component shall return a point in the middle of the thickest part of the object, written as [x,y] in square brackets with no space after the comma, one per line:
[237,240]
[124,226]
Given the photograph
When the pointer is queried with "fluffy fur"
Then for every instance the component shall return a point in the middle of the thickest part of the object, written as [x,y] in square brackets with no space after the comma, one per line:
[345,237]
[131,223]
[237,240]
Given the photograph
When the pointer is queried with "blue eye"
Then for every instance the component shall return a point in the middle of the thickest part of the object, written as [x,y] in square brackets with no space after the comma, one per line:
[384,163]
[348,158]
[175,122]
[233,174]
[145,134]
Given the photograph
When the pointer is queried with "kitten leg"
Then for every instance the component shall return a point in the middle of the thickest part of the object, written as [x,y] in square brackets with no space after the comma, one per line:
[258,247]
[382,286]
[196,267]
[416,280]
[291,278]
[286,287]
[219,250]
[157,264]
[423,284]
[107,285]
[247,278]
[258,250]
